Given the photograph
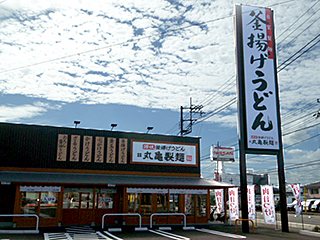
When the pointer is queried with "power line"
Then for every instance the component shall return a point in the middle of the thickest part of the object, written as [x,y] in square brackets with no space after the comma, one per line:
[280,68]
[304,140]
[301,129]
[218,110]
[280,43]
[112,45]
[293,60]
[295,38]
[300,17]
[297,165]
[122,43]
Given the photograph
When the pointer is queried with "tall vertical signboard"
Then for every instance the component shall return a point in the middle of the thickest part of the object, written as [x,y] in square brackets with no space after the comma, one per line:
[258,97]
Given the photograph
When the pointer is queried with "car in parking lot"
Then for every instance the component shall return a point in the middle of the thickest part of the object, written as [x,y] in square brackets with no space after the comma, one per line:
[306,205]
[316,206]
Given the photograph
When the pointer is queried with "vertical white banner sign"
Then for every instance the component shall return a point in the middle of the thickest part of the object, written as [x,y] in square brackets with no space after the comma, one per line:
[233,203]
[296,193]
[219,201]
[251,202]
[268,208]
[259,79]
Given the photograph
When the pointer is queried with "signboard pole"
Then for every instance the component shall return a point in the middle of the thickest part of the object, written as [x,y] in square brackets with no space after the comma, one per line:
[258,97]
[242,129]
[281,175]
[282,192]
[243,190]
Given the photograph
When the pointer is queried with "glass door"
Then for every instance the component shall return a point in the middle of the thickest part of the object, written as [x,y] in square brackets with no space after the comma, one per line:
[78,206]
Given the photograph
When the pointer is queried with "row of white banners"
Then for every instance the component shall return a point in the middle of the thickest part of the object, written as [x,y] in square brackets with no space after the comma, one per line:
[267,202]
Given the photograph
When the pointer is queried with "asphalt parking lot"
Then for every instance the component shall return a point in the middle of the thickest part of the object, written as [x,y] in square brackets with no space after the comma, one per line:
[212,232]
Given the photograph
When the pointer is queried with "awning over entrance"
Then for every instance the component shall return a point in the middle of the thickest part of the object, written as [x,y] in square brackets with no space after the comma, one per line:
[7,177]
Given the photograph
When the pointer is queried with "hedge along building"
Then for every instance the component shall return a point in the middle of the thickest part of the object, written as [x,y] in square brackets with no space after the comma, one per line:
[74,176]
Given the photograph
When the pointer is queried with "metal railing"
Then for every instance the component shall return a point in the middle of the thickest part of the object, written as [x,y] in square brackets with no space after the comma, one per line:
[22,215]
[170,214]
[122,214]
[243,220]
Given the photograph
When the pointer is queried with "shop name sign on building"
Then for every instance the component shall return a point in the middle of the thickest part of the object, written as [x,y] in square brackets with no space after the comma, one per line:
[259,78]
[163,153]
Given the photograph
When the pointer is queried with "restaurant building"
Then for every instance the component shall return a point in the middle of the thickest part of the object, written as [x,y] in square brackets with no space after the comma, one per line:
[71,176]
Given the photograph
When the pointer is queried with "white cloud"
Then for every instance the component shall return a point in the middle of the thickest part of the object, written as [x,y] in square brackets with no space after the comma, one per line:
[191,62]
[14,113]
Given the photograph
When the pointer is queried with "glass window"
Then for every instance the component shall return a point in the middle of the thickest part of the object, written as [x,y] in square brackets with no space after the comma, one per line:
[174,203]
[105,200]
[42,203]
[189,204]
[29,202]
[201,205]
[162,202]
[78,198]
[86,200]
[133,202]
[48,204]
[70,199]
[146,200]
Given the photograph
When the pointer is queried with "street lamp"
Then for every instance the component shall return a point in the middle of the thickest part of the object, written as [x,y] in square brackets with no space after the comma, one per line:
[113,125]
[149,129]
[76,123]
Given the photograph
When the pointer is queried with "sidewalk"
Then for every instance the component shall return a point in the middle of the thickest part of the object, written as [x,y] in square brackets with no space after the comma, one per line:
[268,232]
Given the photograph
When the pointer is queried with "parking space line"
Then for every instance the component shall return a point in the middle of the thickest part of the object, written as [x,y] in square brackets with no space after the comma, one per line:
[165,234]
[57,236]
[113,237]
[230,235]
[174,235]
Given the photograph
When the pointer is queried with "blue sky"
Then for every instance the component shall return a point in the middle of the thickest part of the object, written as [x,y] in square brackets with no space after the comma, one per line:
[135,63]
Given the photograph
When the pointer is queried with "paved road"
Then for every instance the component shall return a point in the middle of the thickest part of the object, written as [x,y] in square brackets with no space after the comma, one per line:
[262,233]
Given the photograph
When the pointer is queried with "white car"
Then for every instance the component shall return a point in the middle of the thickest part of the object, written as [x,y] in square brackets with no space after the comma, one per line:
[316,206]
[307,204]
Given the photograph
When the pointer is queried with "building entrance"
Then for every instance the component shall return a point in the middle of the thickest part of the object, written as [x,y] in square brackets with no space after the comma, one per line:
[87,205]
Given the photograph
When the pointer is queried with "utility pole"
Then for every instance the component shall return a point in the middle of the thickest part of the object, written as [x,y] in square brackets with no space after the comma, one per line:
[193,109]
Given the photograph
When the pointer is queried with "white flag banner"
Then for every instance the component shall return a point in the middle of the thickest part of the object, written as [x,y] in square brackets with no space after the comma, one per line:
[219,201]
[297,195]
[233,203]
[251,202]
[268,208]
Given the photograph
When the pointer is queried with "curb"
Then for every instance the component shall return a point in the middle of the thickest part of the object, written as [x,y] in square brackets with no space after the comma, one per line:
[310,233]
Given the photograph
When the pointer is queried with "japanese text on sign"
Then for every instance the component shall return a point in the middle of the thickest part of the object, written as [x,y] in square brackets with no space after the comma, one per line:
[251,202]
[123,146]
[219,201]
[75,148]
[260,81]
[163,153]
[99,150]
[268,204]
[87,149]
[233,203]
[62,147]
